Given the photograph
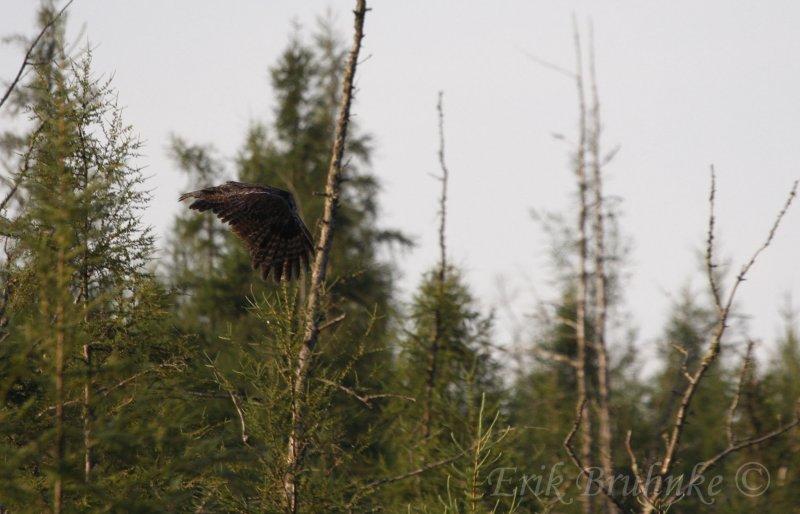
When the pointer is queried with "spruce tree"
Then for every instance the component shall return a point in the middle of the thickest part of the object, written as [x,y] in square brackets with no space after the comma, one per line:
[461,389]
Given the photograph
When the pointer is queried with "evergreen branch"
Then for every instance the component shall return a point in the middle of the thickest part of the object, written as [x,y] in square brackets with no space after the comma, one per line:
[106,391]
[409,474]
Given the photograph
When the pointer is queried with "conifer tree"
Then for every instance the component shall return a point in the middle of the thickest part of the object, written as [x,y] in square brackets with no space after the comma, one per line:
[447,366]
[197,245]
[769,397]
[85,324]
[230,302]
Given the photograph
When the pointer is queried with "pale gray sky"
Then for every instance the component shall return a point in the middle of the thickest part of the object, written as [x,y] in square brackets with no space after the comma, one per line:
[684,84]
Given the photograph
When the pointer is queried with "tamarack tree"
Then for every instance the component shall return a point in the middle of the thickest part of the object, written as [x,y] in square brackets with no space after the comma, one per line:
[85,326]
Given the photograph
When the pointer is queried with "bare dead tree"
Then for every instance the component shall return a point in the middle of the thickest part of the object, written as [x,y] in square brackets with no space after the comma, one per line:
[581,294]
[654,501]
[26,61]
[588,158]
[319,271]
[600,285]
[441,276]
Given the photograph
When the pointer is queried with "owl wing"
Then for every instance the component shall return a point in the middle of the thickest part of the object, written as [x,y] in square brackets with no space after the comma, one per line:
[278,240]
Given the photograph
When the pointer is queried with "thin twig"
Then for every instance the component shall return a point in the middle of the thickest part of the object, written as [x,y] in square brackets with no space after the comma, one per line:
[637,474]
[222,382]
[420,470]
[770,236]
[710,266]
[27,60]
[366,399]
[583,469]
[549,65]
[738,394]
[553,356]
[685,362]
[331,322]
[106,391]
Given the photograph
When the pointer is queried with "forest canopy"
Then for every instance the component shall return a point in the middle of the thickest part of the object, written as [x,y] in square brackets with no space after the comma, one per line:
[160,373]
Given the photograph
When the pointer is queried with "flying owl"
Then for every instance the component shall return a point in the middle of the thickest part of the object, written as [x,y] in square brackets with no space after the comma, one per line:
[266,219]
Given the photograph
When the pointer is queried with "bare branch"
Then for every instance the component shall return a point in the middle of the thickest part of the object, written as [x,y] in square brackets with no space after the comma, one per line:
[223,383]
[583,468]
[366,399]
[770,236]
[710,266]
[320,269]
[605,437]
[27,60]
[553,356]
[711,355]
[637,474]
[331,322]
[746,362]
[731,448]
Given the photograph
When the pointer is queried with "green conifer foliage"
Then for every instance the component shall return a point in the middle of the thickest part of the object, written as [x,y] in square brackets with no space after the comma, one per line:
[86,330]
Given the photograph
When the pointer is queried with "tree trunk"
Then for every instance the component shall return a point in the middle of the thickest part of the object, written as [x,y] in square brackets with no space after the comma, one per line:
[58,486]
[440,281]
[87,414]
[601,294]
[580,315]
[319,271]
